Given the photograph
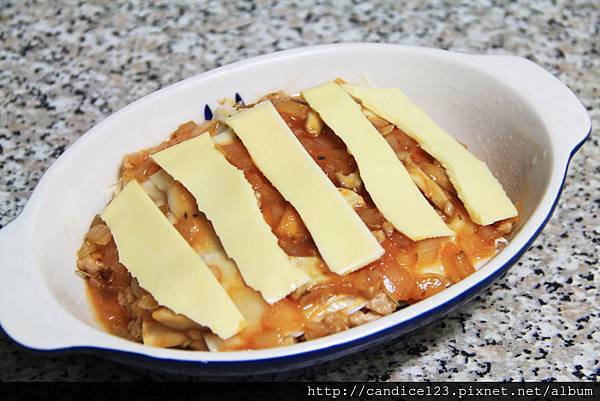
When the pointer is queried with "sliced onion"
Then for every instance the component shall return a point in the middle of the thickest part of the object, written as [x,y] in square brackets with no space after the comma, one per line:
[457,224]
[313,124]
[501,240]
[372,218]
[162,180]
[438,174]
[158,335]
[379,235]
[86,249]
[228,273]
[154,193]
[147,302]
[350,181]
[338,303]
[311,265]
[353,199]
[99,234]
[180,201]
[430,188]
[213,342]
[292,108]
[225,137]
[198,345]
[428,251]
[251,305]
[291,225]
[377,121]
[173,320]
[224,111]
[487,233]
[171,217]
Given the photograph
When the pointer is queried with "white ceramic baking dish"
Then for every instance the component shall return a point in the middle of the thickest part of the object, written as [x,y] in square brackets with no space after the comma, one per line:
[510,112]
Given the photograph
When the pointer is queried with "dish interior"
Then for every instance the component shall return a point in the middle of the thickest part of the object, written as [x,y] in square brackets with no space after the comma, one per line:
[497,127]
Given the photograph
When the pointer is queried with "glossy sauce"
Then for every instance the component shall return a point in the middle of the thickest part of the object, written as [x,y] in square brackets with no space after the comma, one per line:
[107,310]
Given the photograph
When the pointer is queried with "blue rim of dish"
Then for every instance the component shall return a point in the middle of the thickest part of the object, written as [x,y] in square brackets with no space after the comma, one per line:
[356,344]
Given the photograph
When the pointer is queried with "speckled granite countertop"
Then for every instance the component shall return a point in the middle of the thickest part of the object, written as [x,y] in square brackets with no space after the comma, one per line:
[63,68]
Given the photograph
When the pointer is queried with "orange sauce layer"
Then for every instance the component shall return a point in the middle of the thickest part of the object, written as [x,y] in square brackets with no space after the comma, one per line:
[399,272]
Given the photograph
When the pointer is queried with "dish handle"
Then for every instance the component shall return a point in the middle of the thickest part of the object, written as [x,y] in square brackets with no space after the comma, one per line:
[563,114]
[12,275]
[23,294]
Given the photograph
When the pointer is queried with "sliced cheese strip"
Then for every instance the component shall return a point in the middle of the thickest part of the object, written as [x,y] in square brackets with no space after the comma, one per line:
[228,200]
[166,265]
[385,178]
[343,240]
[481,193]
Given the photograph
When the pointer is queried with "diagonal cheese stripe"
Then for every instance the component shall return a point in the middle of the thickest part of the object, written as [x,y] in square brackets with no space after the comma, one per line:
[344,241]
[483,196]
[385,178]
[227,199]
[166,265]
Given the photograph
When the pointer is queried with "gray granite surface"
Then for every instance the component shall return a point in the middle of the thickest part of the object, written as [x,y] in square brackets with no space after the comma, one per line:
[65,66]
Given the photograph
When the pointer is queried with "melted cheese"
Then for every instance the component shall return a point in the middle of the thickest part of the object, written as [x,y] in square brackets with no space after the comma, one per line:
[385,178]
[343,240]
[481,193]
[227,199]
[166,265]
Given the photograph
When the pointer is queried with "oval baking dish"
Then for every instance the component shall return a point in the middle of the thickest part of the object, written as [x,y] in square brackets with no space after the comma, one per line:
[511,113]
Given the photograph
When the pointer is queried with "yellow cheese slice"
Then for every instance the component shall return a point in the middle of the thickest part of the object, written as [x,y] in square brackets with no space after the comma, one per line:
[343,240]
[385,178]
[166,265]
[228,201]
[478,189]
